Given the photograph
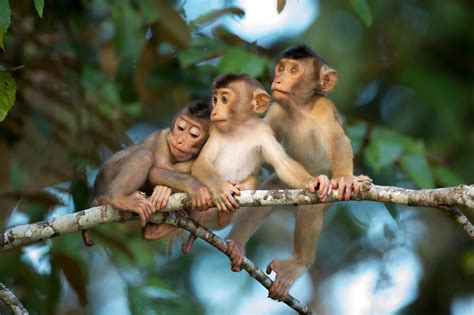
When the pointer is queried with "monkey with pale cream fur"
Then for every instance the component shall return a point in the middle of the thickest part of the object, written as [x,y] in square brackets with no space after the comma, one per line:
[239,143]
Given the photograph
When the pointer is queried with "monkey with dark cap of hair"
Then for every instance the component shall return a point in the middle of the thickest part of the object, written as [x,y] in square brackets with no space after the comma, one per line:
[163,160]
[309,125]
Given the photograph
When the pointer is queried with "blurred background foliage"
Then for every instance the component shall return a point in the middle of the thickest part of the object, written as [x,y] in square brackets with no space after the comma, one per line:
[94,75]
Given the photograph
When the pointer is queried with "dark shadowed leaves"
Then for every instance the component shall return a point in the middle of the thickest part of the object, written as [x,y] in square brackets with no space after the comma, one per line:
[4,19]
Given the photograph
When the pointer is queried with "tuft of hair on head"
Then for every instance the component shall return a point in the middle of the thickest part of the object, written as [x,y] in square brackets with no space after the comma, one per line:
[301,52]
[224,80]
[199,109]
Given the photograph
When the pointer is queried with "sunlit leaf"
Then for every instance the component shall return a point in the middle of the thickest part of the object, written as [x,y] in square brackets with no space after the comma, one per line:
[280,5]
[416,166]
[385,148]
[7,93]
[4,20]
[213,15]
[357,133]
[446,177]
[242,61]
[361,7]
[39,6]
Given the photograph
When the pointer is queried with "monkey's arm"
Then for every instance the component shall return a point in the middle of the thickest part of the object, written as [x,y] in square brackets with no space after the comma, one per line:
[181,181]
[288,170]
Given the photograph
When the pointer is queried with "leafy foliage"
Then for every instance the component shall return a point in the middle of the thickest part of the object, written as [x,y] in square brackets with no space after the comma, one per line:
[101,74]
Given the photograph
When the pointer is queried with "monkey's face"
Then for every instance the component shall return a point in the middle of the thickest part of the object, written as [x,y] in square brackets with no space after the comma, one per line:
[293,78]
[186,137]
[230,107]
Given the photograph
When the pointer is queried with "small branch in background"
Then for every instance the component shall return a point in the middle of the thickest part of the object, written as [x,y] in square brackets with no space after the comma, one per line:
[462,220]
[442,198]
[12,301]
[253,270]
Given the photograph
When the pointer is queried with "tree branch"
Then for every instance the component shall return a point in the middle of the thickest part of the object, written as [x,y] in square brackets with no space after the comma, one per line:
[12,301]
[439,198]
[253,270]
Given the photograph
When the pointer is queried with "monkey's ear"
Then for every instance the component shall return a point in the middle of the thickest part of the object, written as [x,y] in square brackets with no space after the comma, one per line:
[327,78]
[261,101]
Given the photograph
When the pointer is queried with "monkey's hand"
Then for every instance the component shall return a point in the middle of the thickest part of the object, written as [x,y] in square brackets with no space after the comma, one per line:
[224,197]
[345,185]
[322,184]
[200,198]
[287,271]
[159,197]
[236,253]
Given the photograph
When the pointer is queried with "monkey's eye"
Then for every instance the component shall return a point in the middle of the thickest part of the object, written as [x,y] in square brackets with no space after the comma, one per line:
[281,68]
[214,99]
[180,128]
[224,99]
[194,136]
[293,70]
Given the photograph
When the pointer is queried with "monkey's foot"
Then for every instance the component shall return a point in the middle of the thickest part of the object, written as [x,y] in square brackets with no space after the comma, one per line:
[153,231]
[236,253]
[188,244]
[287,271]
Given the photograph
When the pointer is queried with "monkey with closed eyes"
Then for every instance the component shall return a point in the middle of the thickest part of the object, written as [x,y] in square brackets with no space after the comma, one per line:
[239,143]
[308,123]
[163,160]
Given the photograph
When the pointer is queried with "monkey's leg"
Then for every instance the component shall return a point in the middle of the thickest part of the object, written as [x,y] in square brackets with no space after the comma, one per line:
[123,190]
[308,227]
[247,221]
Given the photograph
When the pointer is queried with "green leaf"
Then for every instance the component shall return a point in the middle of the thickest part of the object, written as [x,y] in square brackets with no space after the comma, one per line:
[361,7]
[7,93]
[201,48]
[357,133]
[280,5]
[242,61]
[446,177]
[39,5]
[4,20]
[213,15]
[385,147]
[417,168]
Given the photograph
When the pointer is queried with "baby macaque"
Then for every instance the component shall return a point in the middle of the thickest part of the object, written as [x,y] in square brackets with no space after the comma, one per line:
[163,160]
[309,125]
[239,143]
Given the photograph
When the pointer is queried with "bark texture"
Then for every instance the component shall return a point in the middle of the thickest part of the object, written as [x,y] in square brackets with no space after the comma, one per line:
[12,301]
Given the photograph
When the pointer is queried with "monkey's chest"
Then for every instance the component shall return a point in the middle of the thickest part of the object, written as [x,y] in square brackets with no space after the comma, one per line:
[308,147]
[236,161]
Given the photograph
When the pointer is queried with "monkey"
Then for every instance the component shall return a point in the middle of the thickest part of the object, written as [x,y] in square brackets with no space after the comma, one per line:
[163,160]
[239,143]
[309,125]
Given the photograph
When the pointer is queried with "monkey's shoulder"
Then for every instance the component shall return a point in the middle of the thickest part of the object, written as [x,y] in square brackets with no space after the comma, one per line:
[323,108]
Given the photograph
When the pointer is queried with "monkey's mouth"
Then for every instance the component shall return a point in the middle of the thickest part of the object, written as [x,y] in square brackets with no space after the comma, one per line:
[280,91]
[177,149]
[219,121]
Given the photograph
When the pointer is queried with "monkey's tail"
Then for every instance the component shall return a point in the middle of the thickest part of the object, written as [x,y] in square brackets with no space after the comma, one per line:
[86,238]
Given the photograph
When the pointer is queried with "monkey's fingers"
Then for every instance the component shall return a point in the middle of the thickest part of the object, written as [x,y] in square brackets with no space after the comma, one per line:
[235,190]
[334,184]
[166,197]
[355,185]
[235,204]
[143,218]
[229,207]
[348,191]
[341,189]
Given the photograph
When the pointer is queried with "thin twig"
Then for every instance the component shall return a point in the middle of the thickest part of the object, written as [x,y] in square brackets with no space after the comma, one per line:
[9,298]
[253,270]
